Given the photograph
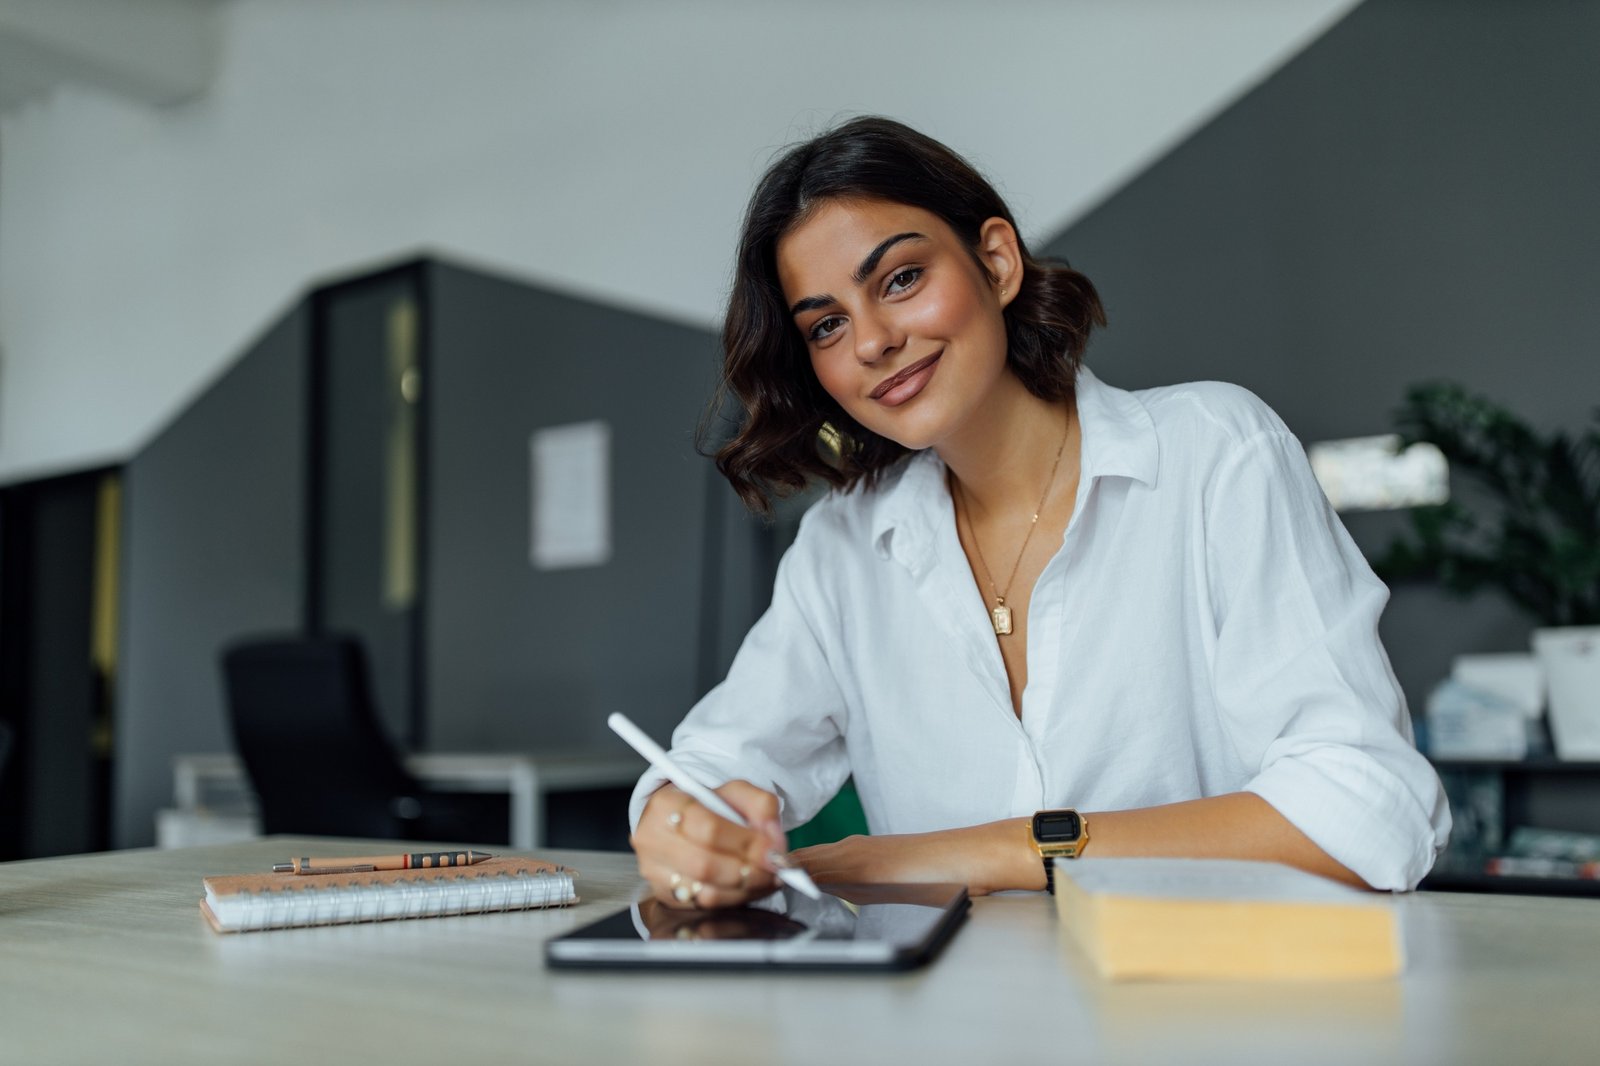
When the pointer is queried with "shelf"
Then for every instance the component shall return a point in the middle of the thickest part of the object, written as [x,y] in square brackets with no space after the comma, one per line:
[1457,881]
[1545,764]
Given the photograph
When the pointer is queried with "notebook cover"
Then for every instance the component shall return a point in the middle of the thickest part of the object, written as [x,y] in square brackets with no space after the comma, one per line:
[223,886]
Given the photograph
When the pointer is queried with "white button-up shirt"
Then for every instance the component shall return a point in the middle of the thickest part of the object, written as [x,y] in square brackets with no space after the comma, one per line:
[1207,626]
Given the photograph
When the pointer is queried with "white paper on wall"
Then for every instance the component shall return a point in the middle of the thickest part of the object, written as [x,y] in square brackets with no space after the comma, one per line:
[571,471]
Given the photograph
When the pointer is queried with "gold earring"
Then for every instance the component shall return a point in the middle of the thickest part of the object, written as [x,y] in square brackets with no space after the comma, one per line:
[833,446]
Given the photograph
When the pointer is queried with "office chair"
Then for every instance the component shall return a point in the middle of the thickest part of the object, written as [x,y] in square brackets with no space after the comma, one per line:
[318,757]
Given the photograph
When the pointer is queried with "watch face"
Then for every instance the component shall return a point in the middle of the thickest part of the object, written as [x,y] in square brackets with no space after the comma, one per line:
[1057,827]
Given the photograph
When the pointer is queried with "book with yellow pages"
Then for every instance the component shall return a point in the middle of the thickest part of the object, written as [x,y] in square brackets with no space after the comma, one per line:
[243,902]
[1223,919]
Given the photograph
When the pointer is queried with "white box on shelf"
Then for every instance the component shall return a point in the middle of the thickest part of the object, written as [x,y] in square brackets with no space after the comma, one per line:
[1570,656]
[1515,677]
[1465,722]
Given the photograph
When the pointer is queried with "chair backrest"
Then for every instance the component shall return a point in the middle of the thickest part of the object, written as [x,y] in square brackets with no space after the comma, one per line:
[306,729]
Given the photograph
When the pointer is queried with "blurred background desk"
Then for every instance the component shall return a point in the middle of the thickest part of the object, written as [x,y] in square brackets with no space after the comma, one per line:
[213,804]
[105,958]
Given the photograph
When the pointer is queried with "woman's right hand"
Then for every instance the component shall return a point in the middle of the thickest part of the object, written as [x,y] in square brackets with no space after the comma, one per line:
[693,858]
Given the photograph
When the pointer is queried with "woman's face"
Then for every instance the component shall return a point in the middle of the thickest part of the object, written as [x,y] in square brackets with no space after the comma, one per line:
[904,329]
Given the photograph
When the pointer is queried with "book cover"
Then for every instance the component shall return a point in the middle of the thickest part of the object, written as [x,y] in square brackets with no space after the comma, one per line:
[243,902]
[1223,919]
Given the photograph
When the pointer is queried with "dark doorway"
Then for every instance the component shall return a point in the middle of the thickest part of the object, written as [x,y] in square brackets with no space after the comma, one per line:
[59,544]
[365,552]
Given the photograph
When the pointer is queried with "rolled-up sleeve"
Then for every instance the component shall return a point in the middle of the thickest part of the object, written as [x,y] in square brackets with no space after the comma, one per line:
[778,718]
[1302,684]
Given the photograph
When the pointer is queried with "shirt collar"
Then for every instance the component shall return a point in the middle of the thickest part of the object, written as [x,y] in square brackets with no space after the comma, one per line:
[1119,440]
[1119,436]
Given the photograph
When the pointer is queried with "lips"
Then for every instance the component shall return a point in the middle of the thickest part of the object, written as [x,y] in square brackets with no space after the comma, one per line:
[900,387]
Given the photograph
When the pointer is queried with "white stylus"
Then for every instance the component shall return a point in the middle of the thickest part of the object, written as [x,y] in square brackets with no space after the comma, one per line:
[791,875]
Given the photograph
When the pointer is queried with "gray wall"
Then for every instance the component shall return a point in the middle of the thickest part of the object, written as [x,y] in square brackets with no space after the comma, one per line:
[526,658]
[214,513]
[515,658]
[1412,197]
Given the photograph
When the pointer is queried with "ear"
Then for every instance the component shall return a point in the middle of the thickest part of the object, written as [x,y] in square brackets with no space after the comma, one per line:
[999,250]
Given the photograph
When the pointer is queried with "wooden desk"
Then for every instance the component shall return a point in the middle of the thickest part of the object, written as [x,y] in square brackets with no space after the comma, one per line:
[104,958]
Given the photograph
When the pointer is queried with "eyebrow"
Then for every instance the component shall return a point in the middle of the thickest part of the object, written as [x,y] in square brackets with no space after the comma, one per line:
[868,265]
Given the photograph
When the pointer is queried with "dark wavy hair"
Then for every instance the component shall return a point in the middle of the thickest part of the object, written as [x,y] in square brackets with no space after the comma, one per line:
[791,431]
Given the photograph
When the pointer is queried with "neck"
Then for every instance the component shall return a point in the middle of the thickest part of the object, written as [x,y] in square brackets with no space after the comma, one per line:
[1002,458]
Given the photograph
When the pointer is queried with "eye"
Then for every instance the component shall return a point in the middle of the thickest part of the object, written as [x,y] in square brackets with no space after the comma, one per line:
[824,328]
[902,280]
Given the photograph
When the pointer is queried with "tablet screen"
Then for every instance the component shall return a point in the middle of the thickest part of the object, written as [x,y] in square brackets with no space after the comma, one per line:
[852,926]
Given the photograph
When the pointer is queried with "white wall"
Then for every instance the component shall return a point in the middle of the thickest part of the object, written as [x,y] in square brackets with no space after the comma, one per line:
[605,148]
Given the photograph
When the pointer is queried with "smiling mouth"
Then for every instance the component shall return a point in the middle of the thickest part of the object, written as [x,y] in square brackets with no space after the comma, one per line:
[905,375]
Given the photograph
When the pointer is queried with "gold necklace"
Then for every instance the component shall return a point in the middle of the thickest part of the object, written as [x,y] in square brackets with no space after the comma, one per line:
[1001,615]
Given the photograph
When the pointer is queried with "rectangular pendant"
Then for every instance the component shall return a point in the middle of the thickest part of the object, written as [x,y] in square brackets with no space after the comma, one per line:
[1002,620]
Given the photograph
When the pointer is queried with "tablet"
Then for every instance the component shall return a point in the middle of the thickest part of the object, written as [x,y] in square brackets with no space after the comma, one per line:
[853,927]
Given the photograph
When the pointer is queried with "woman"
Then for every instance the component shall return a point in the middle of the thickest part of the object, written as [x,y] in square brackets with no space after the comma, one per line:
[1029,591]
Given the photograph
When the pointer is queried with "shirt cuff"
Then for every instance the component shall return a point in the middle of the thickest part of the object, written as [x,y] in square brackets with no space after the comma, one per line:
[1356,812]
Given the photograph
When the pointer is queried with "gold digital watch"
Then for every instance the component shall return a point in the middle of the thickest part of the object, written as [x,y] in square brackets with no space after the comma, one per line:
[1058,834]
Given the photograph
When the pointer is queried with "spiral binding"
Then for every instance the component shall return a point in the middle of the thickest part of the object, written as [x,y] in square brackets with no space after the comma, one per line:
[421,897]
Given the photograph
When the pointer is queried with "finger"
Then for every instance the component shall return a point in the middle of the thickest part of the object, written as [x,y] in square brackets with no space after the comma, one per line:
[751,851]
[675,889]
[670,812]
[662,804]
[760,810]
[669,887]
[659,849]
[662,825]
[679,892]
[668,860]
[671,816]
[756,880]
[662,830]
[665,880]
[715,833]
[711,897]
[691,859]
[756,805]
[648,835]
[665,884]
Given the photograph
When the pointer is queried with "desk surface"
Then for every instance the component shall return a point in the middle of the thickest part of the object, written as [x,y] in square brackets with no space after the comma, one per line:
[106,958]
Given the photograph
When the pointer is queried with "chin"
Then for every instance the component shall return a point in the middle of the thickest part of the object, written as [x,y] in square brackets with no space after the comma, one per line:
[915,444]
[911,432]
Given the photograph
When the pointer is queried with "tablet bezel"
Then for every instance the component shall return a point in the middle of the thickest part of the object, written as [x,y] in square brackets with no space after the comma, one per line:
[576,951]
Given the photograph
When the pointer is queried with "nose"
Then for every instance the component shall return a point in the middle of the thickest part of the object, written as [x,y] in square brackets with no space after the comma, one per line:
[876,336]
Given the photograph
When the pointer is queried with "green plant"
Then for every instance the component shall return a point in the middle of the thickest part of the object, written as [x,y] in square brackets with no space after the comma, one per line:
[1535,532]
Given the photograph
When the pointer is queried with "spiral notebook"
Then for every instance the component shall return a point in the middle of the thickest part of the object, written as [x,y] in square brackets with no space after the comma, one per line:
[240,903]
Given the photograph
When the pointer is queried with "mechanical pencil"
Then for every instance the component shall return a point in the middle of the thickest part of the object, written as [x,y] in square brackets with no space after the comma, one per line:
[360,864]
